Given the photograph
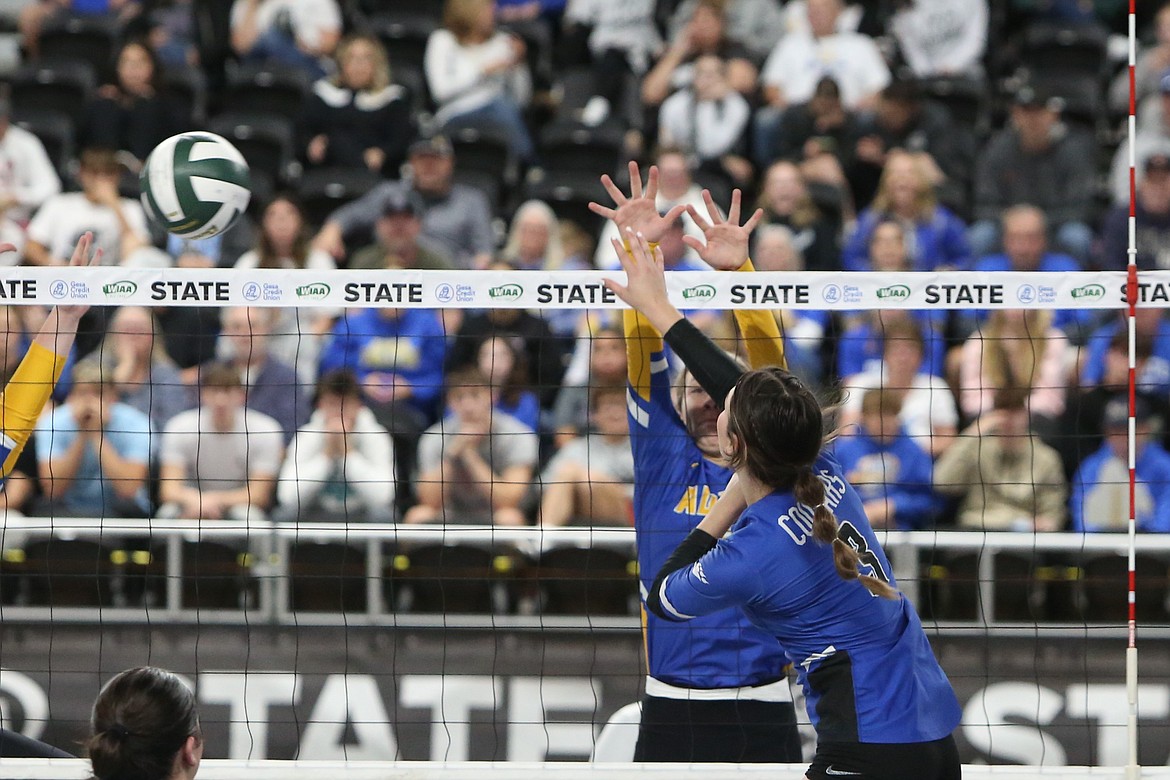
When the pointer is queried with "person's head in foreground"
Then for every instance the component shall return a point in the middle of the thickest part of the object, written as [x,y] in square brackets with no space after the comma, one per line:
[772,431]
[145,727]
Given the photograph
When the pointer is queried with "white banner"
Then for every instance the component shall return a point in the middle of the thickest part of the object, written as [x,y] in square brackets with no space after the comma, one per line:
[416,289]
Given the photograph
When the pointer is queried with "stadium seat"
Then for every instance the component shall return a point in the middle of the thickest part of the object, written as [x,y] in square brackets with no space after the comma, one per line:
[55,131]
[489,185]
[404,33]
[568,146]
[966,99]
[186,87]
[587,581]
[449,579]
[952,587]
[266,90]
[265,141]
[68,573]
[88,39]
[411,78]
[327,577]
[216,575]
[53,87]
[1065,47]
[485,150]
[422,8]
[568,194]
[323,190]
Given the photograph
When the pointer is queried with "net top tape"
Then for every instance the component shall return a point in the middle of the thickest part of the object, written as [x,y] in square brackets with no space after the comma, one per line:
[416,289]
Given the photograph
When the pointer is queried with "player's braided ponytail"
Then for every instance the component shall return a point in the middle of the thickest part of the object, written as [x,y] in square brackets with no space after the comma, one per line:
[778,427]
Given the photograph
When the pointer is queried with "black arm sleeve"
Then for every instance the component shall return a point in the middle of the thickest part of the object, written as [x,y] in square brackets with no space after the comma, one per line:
[695,546]
[711,367]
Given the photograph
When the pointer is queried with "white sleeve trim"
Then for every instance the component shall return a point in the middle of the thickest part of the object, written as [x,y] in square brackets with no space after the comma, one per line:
[670,607]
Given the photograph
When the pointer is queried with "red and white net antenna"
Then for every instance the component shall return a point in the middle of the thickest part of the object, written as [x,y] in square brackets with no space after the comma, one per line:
[1132,770]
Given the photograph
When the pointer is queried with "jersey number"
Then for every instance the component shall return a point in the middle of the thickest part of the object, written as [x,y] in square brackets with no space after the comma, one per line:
[848,533]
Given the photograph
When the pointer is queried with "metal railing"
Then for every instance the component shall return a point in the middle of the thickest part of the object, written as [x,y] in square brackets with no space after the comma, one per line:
[268,546]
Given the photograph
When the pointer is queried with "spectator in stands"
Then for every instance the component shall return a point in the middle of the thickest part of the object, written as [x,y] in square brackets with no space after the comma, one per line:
[27,179]
[1019,348]
[705,32]
[892,473]
[944,38]
[398,357]
[1040,161]
[675,184]
[145,725]
[131,115]
[298,33]
[935,238]
[36,14]
[220,460]
[534,240]
[1152,62]
[802,59]
[502,360]
[283,242]
[860,345]
[478,75]
[454,215]
[786,201]
[1007,479]
[1025,248]
[1152,222]
[544,353]
[1100,488]
[399,242]
[622,42]
[708,121]
[903,120]
[928,411]
[590,481]
[335,468]
[821,126]
[803,330]
[476,467]
[1152,334]
[756,25]
[606,348]
[171,31]
[799,60]
[94,452]
[138,371]
[1152,137]
[357,118]
[270,385]
[118,224]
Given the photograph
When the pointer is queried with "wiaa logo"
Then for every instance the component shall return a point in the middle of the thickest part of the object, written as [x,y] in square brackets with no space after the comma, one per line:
[898,292]
[1089,292]
[700,292]
[313,292]
[120,289]
[505,291]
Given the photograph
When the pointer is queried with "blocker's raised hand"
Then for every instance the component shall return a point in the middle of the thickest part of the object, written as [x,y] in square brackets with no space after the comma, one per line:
[639,212]
[725,244]
[645,287]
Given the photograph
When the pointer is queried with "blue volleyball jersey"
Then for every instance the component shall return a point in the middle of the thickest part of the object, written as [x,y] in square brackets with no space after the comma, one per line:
[674,488]
[866,667]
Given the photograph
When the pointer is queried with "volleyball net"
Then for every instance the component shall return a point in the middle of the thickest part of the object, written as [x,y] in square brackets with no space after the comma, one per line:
[504,626]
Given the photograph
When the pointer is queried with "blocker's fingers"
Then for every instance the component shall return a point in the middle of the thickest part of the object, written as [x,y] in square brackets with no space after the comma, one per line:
[699,220]
[635,181]
[733,210]
[712,209]
[612,189]
[753,220]
[81,250]
[602,211]
[652,183]
[694,243]
[674,213]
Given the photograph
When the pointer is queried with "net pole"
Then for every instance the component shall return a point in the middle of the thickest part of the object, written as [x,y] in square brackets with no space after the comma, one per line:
[1132,770]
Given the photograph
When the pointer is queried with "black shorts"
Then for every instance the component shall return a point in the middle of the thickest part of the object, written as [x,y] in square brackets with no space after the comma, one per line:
[938,760]
[735,731]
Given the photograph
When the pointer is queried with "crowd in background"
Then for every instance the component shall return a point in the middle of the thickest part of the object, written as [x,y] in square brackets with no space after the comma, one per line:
[877,137]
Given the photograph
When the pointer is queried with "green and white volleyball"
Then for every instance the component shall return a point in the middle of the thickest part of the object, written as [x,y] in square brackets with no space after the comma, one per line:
[195,184]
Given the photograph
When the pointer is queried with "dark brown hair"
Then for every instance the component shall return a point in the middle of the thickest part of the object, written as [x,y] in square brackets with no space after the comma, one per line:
[779,429]
[266,253]
[220,375]
[141,720]
[341,383]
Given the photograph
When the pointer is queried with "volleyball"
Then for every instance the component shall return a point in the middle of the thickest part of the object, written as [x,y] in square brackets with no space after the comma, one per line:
[195,184]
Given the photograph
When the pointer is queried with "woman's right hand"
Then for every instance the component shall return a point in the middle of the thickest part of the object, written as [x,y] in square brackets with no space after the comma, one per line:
[637,214]
[645,287]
